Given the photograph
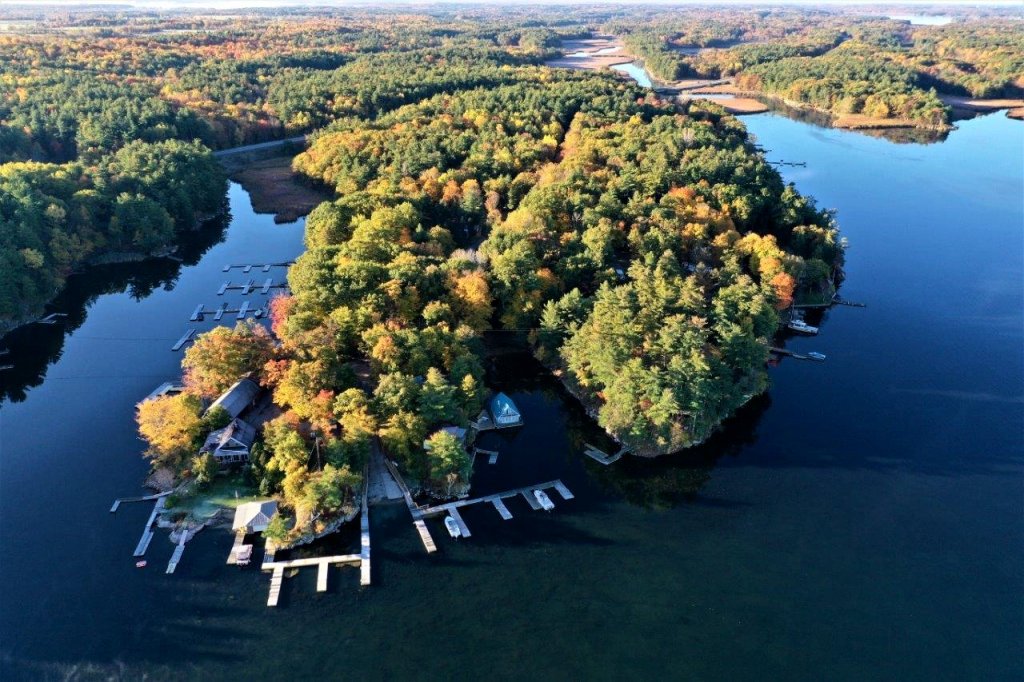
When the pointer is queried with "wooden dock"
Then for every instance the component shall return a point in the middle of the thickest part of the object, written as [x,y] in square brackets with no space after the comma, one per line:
[243,311]
[147,533]
[497,501]
[322,563]
[197,314]
[499,505]
[184,339]
[428,542]
[600,456]
[791,354]
[275,586]
[178,551]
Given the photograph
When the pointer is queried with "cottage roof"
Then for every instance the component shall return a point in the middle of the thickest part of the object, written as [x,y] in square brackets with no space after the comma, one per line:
[238,397]
[254,516]
[238,430]
[459,433]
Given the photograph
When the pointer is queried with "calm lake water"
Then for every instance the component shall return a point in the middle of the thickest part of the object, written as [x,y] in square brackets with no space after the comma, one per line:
[863,520]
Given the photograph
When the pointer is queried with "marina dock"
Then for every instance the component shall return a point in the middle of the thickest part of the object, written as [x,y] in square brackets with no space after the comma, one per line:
[239,541]
[497,500]
[791,354]
[197,314]
[364,542]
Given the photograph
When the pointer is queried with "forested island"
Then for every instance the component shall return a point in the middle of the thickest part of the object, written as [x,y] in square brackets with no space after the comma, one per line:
[641,246]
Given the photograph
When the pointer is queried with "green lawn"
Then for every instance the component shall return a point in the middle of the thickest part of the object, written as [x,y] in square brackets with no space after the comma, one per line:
[220,494]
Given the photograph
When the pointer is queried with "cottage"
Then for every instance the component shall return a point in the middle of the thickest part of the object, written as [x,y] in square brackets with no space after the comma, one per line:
[231,444]
[460,435]
[254,517]
[237,399]
[504,412]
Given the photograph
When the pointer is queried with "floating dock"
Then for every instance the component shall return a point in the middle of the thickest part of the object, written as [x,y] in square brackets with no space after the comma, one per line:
[463,528]
[492,455]
[600,456]
[243,311]
[197,314]
[146,498]
[795,356]
[183,340]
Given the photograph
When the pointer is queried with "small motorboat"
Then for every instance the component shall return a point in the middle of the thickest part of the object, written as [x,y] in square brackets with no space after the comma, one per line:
[140,564]
[453,527]
[544,500]
[802,327]
[815,355]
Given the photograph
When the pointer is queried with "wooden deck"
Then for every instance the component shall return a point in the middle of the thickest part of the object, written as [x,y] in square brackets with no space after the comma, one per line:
[364,543]
[239,541]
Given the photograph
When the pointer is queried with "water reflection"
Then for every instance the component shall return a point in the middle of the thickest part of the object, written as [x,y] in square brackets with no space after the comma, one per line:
[34,347]
[668,481]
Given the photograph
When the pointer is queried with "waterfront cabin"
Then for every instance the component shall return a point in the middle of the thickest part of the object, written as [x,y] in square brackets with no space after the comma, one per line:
[231,445]
[241,396]
[254,517]
[460,435]
[504,412]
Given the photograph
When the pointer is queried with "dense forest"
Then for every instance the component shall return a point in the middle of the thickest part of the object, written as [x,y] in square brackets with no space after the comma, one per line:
[642,247]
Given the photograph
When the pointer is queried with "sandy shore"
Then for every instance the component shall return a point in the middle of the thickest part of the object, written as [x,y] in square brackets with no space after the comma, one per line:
[590,60]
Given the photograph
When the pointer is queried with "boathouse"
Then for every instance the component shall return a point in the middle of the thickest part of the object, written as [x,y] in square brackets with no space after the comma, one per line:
[254,517]
[231,445]
[504,412]
[168,388]
[241,396]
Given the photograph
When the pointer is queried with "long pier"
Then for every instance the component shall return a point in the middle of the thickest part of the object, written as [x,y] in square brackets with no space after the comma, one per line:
[251,285]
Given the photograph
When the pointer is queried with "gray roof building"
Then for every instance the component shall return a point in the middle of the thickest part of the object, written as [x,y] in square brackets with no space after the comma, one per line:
[254,516]
[238,398]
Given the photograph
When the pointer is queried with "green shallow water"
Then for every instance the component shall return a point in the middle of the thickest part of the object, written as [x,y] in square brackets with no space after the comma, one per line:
[862,520]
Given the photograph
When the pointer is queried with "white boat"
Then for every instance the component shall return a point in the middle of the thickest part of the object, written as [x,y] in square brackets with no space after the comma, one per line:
[815,355]
[802,327]
[453,527]
[544,500]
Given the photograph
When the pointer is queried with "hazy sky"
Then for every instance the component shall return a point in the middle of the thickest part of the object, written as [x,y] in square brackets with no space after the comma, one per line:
[341,3]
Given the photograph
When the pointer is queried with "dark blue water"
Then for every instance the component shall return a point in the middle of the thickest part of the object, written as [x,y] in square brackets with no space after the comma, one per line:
[862,520]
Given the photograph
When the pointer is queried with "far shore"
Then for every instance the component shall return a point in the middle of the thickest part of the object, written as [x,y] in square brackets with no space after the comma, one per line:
[272,185]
